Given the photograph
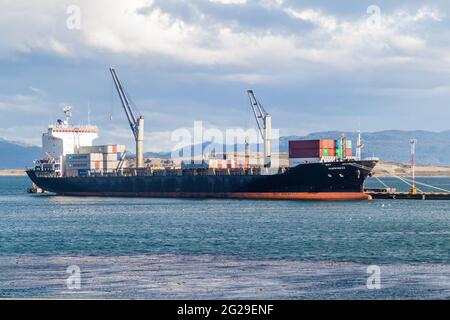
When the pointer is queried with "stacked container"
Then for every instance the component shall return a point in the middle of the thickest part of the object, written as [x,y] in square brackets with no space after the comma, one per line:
[94,158]
[310,151]
[227,164]
[110,148]
[348,148]
[77,164]
[216,164]
[313,151]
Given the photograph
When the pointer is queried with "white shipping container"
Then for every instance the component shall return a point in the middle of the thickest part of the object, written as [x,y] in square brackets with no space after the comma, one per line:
[96,165]
[84,157]
[110,157]
[110,165]
[112,148]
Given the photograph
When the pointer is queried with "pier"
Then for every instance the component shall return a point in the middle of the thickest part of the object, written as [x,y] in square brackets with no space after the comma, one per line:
[376,194]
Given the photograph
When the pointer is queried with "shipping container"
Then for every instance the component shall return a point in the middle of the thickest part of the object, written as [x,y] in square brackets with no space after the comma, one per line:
[311,153]
[110,157]
[311,148]
[312,144]
[328,153]
[348,152]
[84,157]
[329,144]
[113,148]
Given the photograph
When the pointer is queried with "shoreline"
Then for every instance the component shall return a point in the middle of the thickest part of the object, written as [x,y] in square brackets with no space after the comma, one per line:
[386,169]
[13,173]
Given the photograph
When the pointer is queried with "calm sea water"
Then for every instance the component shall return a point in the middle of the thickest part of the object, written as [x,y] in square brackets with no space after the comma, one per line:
[171,248]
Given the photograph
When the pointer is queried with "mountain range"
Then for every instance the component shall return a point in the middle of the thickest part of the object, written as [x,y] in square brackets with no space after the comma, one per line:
[15,155]
[392,145]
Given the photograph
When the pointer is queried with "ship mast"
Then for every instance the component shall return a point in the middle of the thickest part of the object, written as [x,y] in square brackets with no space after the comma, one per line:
[264,122]
[136,123]
[359,145]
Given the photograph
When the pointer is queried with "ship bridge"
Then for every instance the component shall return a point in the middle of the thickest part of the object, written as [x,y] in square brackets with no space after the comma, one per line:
[62,138]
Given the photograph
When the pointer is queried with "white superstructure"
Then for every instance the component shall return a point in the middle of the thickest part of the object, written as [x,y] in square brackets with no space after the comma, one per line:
[62,139]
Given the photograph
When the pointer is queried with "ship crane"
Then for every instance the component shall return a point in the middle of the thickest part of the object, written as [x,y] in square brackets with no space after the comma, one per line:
[264,122]
[136,123]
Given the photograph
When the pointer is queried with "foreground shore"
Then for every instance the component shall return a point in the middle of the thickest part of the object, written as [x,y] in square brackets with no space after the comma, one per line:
[169,276]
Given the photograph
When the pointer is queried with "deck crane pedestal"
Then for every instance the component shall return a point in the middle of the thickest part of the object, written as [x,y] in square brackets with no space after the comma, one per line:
[136,123]
[264,121]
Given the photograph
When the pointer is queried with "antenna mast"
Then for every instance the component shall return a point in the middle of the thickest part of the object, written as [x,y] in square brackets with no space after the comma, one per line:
[359,145]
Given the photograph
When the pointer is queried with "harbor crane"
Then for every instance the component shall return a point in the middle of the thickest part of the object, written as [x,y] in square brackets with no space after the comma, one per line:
[136,122]
[264,122]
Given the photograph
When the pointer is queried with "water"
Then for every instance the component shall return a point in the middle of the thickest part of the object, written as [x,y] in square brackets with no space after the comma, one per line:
[172,248]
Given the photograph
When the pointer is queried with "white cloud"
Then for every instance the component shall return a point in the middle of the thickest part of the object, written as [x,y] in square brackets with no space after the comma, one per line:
[230,1]
[124,29]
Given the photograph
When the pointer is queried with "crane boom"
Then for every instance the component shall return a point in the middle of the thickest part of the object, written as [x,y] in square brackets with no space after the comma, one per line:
[136,123]
[132,120]
[258,111]
[264,122]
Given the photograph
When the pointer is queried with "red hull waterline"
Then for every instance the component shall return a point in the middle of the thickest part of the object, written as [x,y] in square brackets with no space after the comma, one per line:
[323,196]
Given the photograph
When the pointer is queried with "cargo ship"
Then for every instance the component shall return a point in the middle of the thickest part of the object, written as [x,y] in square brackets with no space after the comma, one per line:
[317,170]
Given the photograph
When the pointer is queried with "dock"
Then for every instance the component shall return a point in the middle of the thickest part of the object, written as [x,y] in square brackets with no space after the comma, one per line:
[409,195]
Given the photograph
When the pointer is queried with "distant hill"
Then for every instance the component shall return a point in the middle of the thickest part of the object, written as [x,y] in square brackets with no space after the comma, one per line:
[393,145]
[15,156]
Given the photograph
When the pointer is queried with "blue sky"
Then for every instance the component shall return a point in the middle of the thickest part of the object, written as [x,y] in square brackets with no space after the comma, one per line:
[316,65]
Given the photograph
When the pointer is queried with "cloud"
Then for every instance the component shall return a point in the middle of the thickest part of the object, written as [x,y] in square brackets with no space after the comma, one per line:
[195,32]
[192,60]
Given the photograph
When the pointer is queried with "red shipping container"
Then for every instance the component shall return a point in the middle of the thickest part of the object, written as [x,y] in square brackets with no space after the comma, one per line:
[348,152]
[327,144]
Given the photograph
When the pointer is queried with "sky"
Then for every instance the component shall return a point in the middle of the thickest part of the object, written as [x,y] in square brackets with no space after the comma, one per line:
[315,65]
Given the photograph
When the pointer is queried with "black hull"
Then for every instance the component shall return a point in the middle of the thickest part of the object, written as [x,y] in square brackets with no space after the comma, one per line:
[321,181]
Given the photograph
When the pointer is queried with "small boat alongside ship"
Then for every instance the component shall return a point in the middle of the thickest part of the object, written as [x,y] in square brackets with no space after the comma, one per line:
[317,170]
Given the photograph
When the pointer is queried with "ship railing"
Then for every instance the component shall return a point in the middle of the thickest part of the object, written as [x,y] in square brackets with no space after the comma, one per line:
[200,172]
